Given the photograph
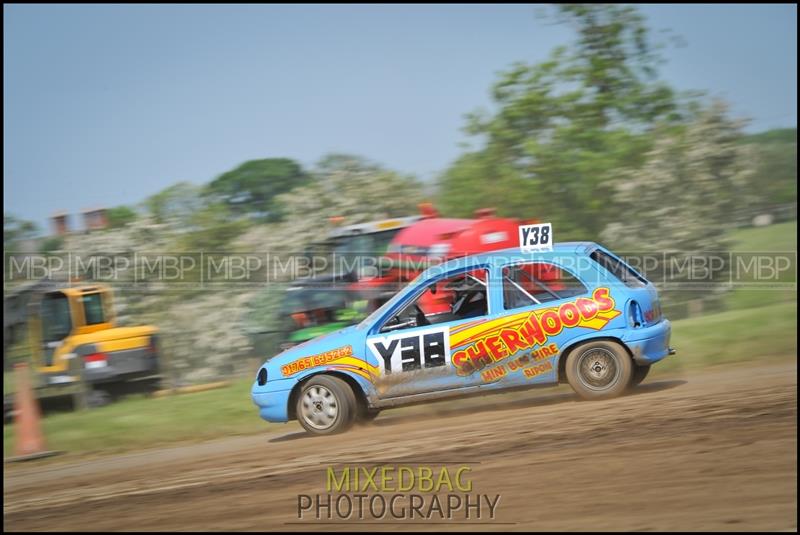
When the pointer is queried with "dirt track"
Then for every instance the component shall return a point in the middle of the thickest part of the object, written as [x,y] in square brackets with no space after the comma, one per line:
[712,451]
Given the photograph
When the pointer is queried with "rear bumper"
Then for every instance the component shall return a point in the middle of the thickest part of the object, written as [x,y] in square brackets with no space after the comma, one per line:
[123,366]
[650,344]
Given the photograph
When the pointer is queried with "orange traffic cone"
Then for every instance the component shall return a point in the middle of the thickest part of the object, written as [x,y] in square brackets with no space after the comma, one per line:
[27,420]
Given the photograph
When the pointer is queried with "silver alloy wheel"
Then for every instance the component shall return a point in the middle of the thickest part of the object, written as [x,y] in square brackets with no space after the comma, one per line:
[598,369]
[320,408]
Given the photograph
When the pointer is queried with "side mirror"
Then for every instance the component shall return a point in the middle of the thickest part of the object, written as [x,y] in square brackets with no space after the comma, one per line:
[432,288]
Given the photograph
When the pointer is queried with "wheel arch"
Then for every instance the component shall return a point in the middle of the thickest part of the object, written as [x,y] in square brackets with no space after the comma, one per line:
[352,382]
[564,354]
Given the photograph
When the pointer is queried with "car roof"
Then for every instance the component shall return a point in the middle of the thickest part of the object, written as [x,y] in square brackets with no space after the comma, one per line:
[512,254]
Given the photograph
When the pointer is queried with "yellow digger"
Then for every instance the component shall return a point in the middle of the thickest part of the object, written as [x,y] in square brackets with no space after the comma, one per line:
[76,348]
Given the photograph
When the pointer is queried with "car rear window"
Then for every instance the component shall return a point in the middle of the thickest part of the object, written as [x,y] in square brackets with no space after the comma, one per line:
[619,269]
[537,282]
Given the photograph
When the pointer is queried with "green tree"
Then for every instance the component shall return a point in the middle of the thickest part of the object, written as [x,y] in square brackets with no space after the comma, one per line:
[199,223]
[120,216]
[51,244]
[563,127]
[342,185]
[682,202]
[16,230]
[348,186]
[212,228]
[684,196]
[476,180]
[774,181]
[176,204]
[251,188]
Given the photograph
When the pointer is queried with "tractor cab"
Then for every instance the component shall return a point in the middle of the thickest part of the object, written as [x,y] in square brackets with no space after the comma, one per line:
[71,311]
[354,249]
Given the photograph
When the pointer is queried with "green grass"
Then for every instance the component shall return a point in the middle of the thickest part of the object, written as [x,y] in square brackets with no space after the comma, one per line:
[759,324]
[8,382]
[756,334]
[139,422]
[780,238]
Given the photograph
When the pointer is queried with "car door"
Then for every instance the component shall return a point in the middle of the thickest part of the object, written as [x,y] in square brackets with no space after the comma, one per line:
[545,307]
[411,344]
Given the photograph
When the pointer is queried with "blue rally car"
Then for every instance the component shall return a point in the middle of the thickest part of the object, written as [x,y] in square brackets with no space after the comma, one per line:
[575,313]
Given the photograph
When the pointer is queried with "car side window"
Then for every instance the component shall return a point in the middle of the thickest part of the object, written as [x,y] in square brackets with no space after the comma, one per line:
[452,298]
[534,283]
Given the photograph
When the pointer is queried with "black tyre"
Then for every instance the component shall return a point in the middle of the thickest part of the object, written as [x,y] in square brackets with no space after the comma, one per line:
[326,405]
[639,373]
[599,370]
[98,398]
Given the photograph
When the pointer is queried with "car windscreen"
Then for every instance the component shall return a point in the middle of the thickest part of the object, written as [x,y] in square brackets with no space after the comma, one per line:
[369,244]
[369,320]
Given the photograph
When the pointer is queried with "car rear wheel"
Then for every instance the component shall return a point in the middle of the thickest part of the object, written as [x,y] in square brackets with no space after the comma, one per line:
[326,405]
[599,370]
[639,373]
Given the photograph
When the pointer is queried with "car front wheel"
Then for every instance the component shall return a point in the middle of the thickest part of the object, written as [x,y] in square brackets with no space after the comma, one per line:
[326,405]
[599,370]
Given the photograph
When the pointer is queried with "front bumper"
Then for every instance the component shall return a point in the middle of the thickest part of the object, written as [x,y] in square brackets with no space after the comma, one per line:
[273,404]
[650,344]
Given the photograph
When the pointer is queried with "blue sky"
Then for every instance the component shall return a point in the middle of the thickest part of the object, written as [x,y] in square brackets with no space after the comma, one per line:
[105,105]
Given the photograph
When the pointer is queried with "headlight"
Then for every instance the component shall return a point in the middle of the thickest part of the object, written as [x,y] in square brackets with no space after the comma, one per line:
[262,377]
